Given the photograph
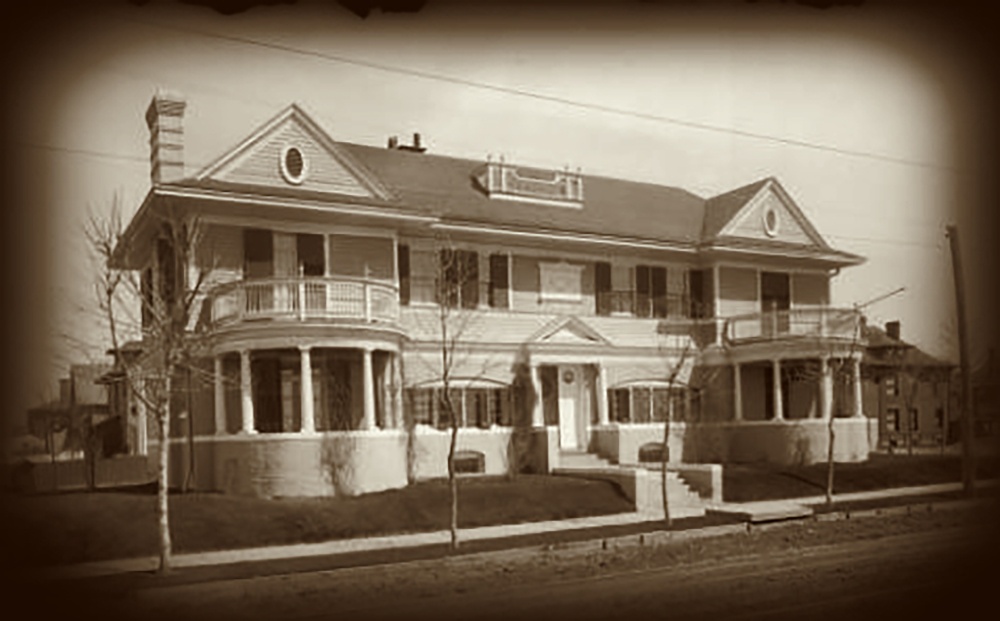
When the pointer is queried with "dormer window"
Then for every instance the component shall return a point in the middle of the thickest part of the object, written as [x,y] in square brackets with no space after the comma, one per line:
[560,188]
[294,166]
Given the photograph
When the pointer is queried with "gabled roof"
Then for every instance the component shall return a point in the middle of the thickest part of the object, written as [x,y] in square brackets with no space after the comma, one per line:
[573,327]
[446,188]
[885,351]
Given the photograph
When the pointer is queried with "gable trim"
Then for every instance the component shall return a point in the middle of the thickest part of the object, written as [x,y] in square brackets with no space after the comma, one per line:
[572,324]
[773,187]
[295,112]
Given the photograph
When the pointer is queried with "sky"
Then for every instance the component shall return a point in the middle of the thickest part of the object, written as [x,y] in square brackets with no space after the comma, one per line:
[866,120]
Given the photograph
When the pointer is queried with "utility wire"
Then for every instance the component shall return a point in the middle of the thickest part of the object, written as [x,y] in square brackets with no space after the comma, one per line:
[548,98]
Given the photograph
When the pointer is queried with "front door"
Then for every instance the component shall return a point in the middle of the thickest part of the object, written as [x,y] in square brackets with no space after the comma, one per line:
[570,381]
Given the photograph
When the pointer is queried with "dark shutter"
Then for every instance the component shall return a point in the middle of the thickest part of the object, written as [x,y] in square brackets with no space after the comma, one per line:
[499,285]
[470,278]
[642,306]
[311,254]
[602,287]
[659,289]
[403,270]
[258,253]
[696,293]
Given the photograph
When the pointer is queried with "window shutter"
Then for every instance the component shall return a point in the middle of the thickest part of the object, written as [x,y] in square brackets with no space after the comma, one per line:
[602,287]
[658,276]
[403,271]
[469,261]
[642,308]
[499,285]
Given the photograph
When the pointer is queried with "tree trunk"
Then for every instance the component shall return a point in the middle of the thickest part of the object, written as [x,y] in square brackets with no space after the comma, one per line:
[162,496]
[829,459]
[453,482]
[664,458]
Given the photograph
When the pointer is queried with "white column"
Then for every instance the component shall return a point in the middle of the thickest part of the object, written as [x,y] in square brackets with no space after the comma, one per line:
[537,415]
[856,380]
[737,393]
[397,391]
[306,397]
[779,406]
[368,421]
[602,395]
[246,393]
[220,396]
[825,388]
[142,421]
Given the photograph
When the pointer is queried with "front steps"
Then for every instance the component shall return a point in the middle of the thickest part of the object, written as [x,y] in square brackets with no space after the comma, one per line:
[644,486]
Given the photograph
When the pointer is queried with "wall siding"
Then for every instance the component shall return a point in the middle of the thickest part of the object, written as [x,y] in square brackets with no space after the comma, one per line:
[737,291]
[810,290]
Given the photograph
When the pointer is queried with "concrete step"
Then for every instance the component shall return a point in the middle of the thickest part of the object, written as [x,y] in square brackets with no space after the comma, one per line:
[682,501]
[582,460]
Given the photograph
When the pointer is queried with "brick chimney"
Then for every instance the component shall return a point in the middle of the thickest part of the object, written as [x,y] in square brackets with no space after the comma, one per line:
[892,329]
[165,119]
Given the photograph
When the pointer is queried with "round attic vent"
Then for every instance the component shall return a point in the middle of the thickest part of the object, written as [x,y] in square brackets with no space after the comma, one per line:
[294,166]
[771,221]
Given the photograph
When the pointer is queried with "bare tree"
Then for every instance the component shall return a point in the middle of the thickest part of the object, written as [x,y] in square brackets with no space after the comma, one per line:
[674,368]
[167,295]
[839,368]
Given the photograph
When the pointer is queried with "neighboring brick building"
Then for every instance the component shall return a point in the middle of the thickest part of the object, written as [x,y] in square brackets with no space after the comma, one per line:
[908,389]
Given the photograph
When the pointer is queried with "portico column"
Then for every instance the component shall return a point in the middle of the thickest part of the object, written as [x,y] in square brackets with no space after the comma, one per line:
[220,396]
[306,390]
[537,417]
[779,406]
[825,388]
[602,395]
[397,392]
[856,380]
[142,421]
[246,393]
[368,421]
[737,392]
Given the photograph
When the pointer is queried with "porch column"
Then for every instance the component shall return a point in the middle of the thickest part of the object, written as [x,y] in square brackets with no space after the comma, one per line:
[142,422]
[602,395]
[397,391]
[368,421]
[737,392]
[246,393]
[220,396]
[856,380]
[306,390]
[537,415]
[825,388]
[779,407]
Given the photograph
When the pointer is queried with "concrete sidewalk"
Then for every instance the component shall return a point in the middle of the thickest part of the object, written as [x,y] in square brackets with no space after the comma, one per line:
[751,511]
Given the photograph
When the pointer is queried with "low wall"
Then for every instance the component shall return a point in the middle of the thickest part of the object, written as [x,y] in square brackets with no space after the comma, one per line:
[347,463]
[621,443]
[44,476]
[798,442]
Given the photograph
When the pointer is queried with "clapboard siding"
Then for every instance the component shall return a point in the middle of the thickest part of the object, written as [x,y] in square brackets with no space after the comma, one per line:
[737,291]
[810,290]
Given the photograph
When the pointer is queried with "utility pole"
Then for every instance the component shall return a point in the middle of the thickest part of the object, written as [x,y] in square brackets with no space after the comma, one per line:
[968,458]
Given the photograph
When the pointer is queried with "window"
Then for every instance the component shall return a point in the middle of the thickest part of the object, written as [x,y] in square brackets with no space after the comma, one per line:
[421,404]
[891,386]
[914,419]
[939,418]
[293,165]
[459,278]
[258,253]
[311,254]
[403,270]
[650,291]
[641,405]
[499,285]
[700,300]
[892,419]
[560,282]
[602,287]
[619,400]
[168,273]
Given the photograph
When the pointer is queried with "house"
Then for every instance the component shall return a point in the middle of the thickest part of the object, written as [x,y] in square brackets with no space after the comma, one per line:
[574,298]
[81,407]
[909,389]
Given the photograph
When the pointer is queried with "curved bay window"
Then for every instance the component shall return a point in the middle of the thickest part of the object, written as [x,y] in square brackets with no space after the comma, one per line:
[648,404]
[480,407]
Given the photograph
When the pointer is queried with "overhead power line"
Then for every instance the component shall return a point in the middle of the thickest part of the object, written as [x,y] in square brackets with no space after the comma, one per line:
[509,90]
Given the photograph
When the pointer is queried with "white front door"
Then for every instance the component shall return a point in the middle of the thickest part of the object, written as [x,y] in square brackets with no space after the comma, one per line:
[570,381]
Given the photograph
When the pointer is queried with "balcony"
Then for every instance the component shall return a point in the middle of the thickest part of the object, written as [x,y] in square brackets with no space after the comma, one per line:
[305,298]
[805,323]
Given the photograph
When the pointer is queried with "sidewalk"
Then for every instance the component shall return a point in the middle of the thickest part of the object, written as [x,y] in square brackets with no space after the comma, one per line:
[750,511]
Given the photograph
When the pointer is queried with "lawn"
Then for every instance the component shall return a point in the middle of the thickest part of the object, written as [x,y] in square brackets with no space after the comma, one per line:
[749,482]
[81,526]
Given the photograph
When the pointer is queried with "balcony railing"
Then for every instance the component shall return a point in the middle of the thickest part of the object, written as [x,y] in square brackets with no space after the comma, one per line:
[831,323]
[309,297]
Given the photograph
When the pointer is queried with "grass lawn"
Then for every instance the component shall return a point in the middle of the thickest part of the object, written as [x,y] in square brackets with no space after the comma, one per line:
[80,526]
[749,482]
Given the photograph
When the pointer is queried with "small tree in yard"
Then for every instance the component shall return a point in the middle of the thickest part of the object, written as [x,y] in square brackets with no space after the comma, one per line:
[675,367]
[840,368]
[456,291]
[167,296]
